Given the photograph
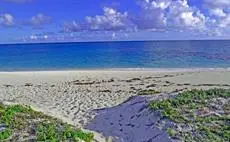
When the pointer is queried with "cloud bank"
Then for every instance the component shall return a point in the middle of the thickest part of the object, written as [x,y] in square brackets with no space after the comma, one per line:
[211,18]
[160,14]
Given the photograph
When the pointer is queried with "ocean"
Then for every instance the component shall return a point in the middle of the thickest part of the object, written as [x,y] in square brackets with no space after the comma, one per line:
[107,55]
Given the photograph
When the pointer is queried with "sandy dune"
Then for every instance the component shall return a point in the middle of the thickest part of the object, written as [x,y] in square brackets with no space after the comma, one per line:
[132,121]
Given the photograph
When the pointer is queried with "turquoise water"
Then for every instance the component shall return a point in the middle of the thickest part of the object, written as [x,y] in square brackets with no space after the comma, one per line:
[155,54]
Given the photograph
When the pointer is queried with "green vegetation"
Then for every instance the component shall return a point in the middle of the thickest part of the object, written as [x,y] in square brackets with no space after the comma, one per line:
[171,132]
[198,115]
[148,92]
[22,124]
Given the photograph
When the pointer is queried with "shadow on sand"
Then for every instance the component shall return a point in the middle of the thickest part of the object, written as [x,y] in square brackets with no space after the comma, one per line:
[131,121]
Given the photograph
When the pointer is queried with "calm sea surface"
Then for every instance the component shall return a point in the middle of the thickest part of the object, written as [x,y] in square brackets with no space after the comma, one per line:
[155,54]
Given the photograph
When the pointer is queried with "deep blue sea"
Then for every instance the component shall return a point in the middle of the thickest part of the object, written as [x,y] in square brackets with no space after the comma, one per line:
[102,55]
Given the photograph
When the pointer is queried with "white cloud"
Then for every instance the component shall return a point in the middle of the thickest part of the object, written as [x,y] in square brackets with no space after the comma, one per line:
[225,22]
[182,15]
[36,37]
[154,4]
[6,19]
[114,35]
[36,21]
[152,14]
[111,20]
[217,3]
[220,9]
[39,19]
[217,12]
[33,37]
[160,16]
[71,27]
[45,36]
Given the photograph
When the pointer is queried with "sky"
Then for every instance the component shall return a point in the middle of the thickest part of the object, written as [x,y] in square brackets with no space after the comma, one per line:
[25,21]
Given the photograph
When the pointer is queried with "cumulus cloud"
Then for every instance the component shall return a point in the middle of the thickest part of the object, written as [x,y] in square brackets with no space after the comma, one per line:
[217,12]
[225,22]
[72,27]
[36,37]
[39,20]
[33,37]
[152,14]
[182,15]
[220,9]
[110,20]
[36,21]
[168,14]
[217,3]
[160,16]
[6,19]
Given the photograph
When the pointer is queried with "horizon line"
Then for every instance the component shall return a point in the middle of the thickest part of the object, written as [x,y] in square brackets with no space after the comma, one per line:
[101,41]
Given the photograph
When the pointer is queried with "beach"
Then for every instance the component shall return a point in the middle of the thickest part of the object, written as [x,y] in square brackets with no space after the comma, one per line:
[115,71]
[72,95]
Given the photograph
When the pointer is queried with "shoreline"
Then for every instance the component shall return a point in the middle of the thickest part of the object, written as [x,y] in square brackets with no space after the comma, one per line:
[121,70]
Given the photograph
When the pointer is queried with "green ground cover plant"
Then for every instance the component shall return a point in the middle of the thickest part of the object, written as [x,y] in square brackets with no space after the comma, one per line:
[22,123]
[198,115]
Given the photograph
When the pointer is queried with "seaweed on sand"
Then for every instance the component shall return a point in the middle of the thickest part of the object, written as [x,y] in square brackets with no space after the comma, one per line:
[148,92]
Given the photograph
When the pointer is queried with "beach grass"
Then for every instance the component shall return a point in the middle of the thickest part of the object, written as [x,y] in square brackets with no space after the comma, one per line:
[22,123]
[198,115]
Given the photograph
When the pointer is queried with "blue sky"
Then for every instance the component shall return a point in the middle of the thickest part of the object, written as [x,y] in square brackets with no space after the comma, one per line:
[99,20]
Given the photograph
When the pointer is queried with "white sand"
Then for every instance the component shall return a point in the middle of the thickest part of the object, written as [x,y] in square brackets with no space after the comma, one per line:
[71,95]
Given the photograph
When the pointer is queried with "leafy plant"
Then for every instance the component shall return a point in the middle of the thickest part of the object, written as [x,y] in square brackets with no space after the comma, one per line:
[171,132]
[21,118]
[5,134]
[194,109]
